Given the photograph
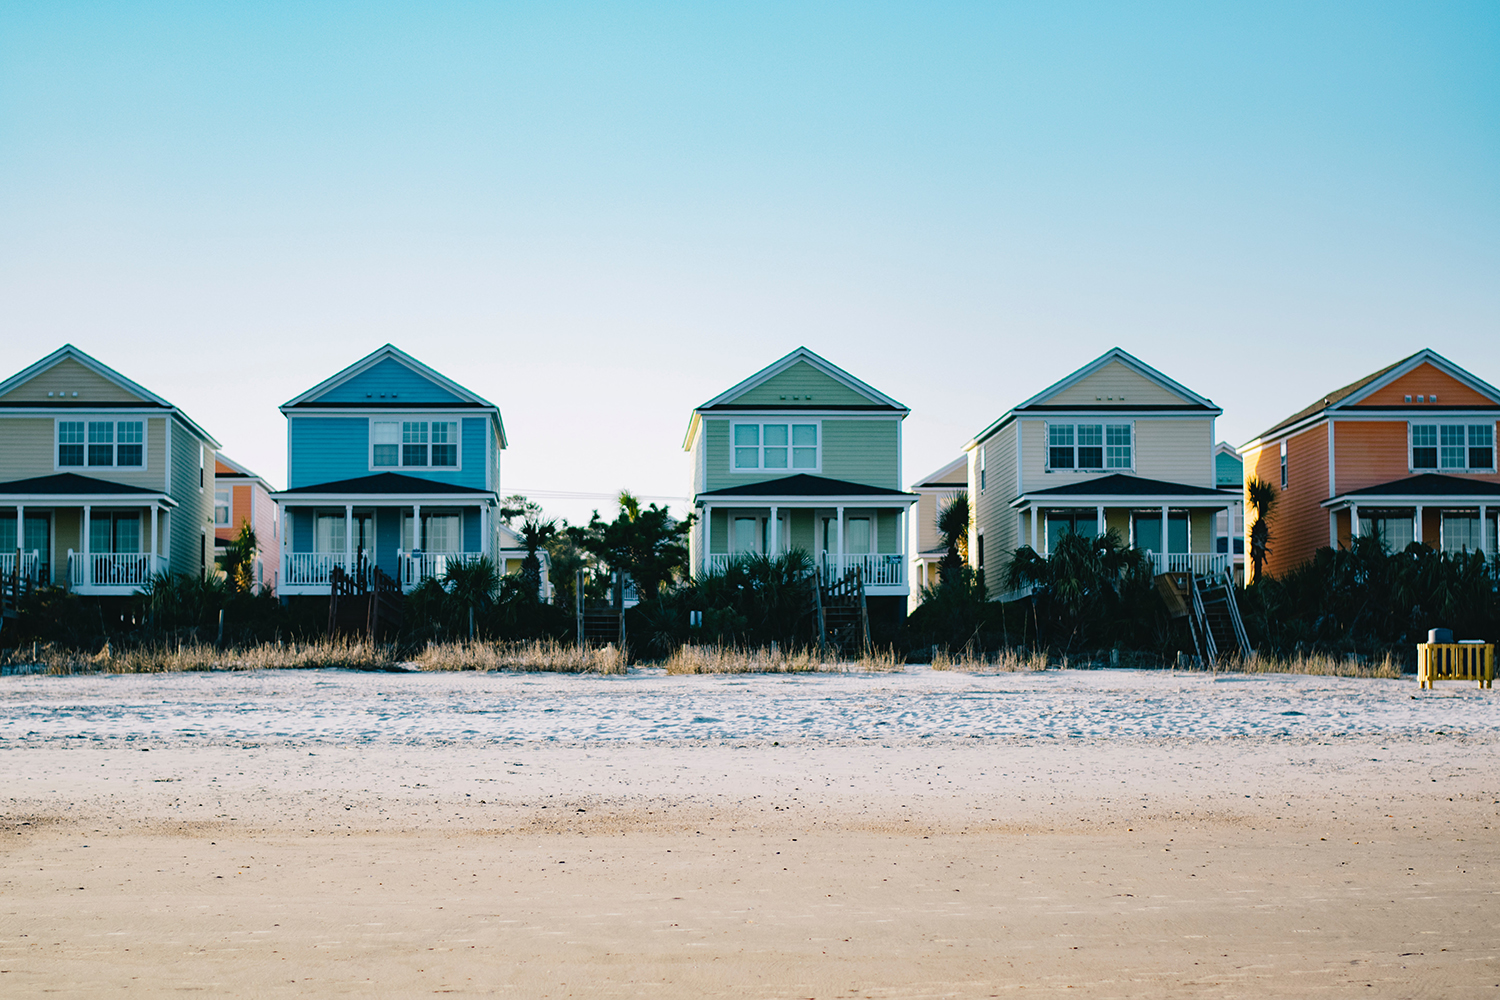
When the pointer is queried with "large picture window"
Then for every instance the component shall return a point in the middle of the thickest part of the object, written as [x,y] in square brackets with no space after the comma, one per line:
[1453,447]
[1089,447]
[101,444]
[414,444]
[775,446]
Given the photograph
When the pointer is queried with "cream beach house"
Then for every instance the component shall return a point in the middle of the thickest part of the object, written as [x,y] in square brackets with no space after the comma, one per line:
[1115,445]
[803,455]
[103,483]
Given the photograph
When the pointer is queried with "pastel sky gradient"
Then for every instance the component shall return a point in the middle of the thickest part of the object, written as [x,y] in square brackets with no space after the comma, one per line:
[600,215]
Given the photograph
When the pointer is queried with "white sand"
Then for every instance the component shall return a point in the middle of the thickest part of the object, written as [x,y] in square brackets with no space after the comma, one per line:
[312,834]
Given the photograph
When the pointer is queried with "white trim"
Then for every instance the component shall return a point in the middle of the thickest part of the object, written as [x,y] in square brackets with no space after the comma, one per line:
[1106,469]
[1411,364]
[1439,468]
[87,418]
[404,417]
[961,461]
[789,469]
[802,354]
[1332,486]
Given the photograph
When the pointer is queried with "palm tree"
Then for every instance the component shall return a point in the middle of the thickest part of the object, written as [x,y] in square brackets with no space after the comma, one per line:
[953,530]
[1261,498]
[535,533]
[238,560]
[471,585]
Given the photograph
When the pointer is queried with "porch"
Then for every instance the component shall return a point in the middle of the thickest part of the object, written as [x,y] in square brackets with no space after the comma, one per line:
[1447,513]
[380,523]
[90,536]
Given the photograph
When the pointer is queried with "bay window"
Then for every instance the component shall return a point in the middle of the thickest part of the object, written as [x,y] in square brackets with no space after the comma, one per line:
[414,444]
[1089,447]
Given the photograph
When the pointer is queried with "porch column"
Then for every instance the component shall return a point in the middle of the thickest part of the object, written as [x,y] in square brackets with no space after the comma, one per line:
[708,537]
[1333,529]
[1484,531]
[1353,523]
[1166,543]
[1099,521]
[20,533]
[285,544]
[153,537]
[348,537]
[841,542]
[775,534]
[1416,527]
[1033,528]
[88,538]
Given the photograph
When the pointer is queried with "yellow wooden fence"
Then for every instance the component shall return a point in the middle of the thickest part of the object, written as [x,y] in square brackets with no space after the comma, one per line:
[1457,661]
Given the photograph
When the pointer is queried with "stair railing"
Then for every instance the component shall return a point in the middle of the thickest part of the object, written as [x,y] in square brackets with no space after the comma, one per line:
[1200,615]
[1240,635]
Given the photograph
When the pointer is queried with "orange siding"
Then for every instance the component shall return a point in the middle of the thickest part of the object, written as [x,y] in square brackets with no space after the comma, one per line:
[1367,453]
[1300,526]
[1426,380]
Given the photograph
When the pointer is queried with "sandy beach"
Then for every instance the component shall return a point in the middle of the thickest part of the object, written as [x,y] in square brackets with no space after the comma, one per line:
[1088,833]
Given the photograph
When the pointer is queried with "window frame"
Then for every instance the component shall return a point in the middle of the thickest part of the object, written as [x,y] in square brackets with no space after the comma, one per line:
[1468,427]
[114,444]
[426,419]
[228,507]
[1104,469]
[790,469]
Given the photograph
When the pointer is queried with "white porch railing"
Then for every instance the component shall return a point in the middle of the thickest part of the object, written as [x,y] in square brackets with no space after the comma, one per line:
[716,563]
[882,569]
[1200,563]
[414,566]
[30,565]
[309,569]
[110,569]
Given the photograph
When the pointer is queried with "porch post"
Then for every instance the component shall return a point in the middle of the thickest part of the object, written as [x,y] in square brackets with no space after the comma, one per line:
[841,542]
[1099,521]
[1353,523]
[775,534]
[285,544]
[708,538]
[1484,531]
[1166,543]
[88,539]
[1033,527]
[153,537]
[348,537]
[1333,529]
[20,532]
[1416,534]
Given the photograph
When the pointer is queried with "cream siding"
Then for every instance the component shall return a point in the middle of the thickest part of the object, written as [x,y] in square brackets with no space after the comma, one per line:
[63,379]
[26,447]
[1121,382]
[993,517]
[1174,450]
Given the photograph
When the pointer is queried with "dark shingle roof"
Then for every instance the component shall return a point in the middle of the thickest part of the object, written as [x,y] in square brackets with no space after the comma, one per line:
[1335,396]
[803,485]
[386,483]
[1429,484]
[1119,485]
[70,484]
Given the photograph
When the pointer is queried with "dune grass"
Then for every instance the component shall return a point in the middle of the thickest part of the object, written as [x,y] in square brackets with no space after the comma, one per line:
[545,655]
[1003,661]
[733,660]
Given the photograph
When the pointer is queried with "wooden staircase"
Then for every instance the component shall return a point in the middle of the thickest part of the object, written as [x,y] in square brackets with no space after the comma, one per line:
[1213,614]
[843,615]
[14,585]
[368,601]
[599,623]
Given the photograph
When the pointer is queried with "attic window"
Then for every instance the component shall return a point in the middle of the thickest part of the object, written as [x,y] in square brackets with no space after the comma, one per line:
[1408,397]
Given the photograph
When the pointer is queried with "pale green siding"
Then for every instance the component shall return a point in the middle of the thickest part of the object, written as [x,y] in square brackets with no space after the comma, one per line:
[888,531]
[801,532]
[27,450]
[26,447]
[856,451]
[804,384]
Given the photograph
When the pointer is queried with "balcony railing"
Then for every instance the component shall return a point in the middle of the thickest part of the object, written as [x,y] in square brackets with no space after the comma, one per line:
[110,569]
[416,566]
[31,566]
[1200,563]
[309,569]
[884,569]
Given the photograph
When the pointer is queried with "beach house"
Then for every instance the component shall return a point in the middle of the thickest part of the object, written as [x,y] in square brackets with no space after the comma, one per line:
[103,483]
[243,498]
[1406,453]
[1116,445]
[935,491]
[803,455]
[390,466]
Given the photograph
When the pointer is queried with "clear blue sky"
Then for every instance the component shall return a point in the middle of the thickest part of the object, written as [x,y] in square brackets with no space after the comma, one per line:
[601,215]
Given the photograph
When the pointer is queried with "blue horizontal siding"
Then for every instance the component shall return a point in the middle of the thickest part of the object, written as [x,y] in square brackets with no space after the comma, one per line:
[328,449]
[393,379]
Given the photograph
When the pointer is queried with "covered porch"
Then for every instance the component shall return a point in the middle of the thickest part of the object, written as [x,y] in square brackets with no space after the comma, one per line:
[842,526]
[1176,524]
[405,527]
[1447,513]
[89,536]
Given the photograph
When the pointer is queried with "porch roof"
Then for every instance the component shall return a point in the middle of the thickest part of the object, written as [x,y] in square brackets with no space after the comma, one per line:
[1113,489]
[386,486]
[1427,488]
[805,487]
[70,487]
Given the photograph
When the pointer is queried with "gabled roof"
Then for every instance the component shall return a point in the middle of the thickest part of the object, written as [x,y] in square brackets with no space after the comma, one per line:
[1191,401]
[385,484]
[238,470]
[1353,393]
[392,353]
[955,473]
[726,400]
[69,352]
[803,485]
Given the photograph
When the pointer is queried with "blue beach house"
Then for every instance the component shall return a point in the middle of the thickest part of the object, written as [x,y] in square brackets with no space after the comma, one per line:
[390,465]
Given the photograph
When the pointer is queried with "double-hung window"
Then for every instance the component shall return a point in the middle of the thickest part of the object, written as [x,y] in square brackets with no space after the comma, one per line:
[101,443]
[1090,447]
[221,507]
[1453,447]
[775,446]
[414,444]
